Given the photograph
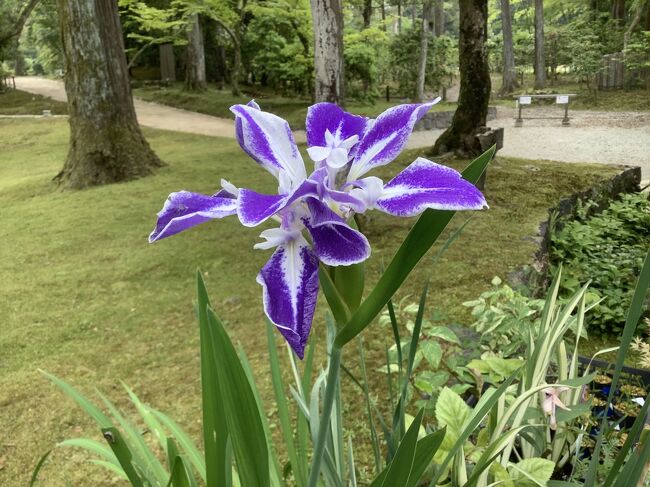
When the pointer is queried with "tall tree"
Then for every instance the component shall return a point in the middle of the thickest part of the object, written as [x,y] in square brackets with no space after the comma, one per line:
[195,61]
[540,64]
[106,144]
[474,82]
[424,47]
[367,13]
[327,16]
[509,82]
[618,12]
[439,16]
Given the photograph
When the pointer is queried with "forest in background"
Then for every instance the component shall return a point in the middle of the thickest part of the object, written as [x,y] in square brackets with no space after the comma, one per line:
[409,48]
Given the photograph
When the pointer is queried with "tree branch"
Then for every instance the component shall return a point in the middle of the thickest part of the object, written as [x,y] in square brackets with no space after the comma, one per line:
[20,22]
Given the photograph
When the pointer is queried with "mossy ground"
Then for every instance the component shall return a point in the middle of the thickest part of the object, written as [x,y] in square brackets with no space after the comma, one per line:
[86,298]
[16,102]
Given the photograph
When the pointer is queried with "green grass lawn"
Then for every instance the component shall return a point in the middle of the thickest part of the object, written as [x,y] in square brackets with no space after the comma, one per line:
[86,298]
[217,103]
[16,102]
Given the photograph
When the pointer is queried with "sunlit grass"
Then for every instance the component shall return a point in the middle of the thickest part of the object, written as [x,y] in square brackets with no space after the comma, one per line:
[86,298]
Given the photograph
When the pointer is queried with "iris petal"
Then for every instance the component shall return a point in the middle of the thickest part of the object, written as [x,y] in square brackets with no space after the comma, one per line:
[387,137]
[334,241]
[290,290]
[184,210]
[324,117]
[425,184]
[267,138]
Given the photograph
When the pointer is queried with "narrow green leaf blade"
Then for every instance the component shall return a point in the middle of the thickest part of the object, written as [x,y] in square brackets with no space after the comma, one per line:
[240,407]
[215,430]
[424,452]
[123,455]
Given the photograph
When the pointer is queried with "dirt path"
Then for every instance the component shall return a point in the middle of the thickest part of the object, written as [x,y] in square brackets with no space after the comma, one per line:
[149,114]
[606,137]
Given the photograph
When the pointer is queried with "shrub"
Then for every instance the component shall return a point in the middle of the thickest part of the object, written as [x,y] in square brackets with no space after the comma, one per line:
[607,248]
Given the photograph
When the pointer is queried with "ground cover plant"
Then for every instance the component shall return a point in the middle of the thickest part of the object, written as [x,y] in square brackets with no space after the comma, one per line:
[16,102]
[607,248]
[136,322]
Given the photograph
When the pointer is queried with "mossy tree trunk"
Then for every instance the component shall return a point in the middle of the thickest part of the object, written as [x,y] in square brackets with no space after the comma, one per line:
[195,79]
[475,85]
[327,16]
[106,144]
[439,15]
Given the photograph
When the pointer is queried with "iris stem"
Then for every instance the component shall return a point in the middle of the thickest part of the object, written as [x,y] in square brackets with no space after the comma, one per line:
[328,402]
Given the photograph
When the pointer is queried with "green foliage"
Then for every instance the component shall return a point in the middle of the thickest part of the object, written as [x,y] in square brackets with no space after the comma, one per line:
[607,249]
[503,317]
[442,58]
[278,46]
[439,360]
[366,58]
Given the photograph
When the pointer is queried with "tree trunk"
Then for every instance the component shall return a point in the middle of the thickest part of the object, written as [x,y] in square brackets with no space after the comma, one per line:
[19,67]
[439,16]
[646,24]
[540,65]
[399,16]
[618,12]
[424,47]
[327,16]
[474,82]
[367,13]
[195,64]
[167,62]
[509,75]
[106,144]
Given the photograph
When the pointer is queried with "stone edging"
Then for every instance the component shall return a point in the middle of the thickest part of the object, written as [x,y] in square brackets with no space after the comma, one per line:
[535,276]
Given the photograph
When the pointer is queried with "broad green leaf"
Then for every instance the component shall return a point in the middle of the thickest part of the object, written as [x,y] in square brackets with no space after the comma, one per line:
[419,240]
[432,353]
[215,431]
[444,333]
[451,411]
[240,408]
[481,410]
[531,472]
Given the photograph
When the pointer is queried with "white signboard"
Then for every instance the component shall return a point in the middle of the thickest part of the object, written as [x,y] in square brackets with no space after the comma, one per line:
[524,100]
[562,99]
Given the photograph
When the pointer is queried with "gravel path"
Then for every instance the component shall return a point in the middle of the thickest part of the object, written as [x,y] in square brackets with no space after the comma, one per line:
[605,137]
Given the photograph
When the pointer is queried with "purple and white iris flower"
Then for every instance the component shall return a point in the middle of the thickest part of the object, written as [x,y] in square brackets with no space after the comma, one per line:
[312,211]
